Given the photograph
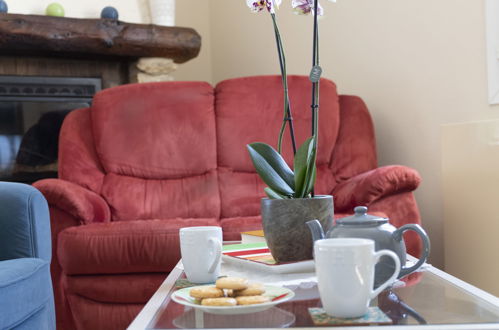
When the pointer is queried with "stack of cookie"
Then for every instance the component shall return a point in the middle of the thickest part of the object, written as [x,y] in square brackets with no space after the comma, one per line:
[230,291]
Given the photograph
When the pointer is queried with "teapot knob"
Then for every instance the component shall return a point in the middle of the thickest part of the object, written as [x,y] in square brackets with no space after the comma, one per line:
[360,210]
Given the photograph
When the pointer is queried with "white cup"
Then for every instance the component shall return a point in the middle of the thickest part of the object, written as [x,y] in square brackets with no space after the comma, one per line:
[201,249]
[345,274]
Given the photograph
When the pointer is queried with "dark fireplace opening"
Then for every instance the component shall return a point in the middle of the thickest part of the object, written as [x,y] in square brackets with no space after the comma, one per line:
[32,110]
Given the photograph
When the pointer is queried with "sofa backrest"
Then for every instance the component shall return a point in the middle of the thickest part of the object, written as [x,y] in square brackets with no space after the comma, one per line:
[251,110]
[156,147]
[178,149]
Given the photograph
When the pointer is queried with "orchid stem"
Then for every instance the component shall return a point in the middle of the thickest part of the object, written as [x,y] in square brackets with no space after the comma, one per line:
[287,107]
[315,85]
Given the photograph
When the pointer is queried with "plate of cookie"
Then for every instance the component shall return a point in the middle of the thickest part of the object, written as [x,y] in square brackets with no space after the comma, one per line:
[232,295]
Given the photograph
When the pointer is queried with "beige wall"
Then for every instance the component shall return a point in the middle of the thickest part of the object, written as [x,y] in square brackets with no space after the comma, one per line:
[417,64]
[130,10]
[196,14]
[470,163]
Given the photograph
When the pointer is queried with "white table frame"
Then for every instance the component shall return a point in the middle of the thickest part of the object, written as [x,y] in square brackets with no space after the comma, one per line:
[147,314]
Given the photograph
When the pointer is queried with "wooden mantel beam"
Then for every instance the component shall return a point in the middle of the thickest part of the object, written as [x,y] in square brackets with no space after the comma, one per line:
[41,35]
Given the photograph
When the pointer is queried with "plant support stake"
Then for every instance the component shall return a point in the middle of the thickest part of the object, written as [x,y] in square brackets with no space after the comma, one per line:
[315,75]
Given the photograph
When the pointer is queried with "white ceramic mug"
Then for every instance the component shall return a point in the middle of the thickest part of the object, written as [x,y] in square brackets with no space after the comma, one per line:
[201,249]
[345,273]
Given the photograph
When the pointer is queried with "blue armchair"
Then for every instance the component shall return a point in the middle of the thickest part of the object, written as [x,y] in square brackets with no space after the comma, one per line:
[26,296]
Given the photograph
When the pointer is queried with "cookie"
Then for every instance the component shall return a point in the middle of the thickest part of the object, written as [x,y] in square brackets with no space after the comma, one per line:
[252,300]
[219,302]
[206,292]
[254,289]
[234,283]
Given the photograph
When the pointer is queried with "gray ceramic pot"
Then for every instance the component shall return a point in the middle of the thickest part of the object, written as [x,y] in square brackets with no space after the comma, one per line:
[286,233]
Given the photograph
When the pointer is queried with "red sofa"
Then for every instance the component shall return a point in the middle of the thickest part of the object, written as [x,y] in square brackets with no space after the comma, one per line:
[147,159]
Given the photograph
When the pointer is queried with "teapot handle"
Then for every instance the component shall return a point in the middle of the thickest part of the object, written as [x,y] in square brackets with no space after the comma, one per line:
[397,235]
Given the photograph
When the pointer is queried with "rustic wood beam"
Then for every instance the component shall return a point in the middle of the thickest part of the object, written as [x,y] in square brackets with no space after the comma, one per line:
[42,35]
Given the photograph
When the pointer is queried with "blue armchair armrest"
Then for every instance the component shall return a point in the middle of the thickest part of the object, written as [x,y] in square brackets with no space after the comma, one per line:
[26,295]
[24,223]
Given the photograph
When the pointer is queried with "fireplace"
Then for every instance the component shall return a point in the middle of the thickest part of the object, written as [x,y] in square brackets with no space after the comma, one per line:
[50,66]
[32,109]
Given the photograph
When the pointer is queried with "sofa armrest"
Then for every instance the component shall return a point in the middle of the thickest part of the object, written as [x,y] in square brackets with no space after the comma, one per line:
[24,223]
[365,188]
[85,205]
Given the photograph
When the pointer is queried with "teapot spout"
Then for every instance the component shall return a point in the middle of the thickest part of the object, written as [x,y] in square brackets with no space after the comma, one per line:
[315,229]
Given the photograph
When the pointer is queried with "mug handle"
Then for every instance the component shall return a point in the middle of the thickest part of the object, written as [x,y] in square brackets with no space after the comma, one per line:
[397,235]
[217,246]
[392,278]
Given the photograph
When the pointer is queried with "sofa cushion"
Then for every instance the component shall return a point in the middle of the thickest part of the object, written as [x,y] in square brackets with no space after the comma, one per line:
[156,130]
[132,198]
[122,247]
[25,289]
[255,106]
[109,288]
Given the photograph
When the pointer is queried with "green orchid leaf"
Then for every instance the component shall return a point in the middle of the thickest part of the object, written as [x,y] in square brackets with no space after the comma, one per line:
[272,194]
[311,180]
[276,161]
[305,156]
[264,160]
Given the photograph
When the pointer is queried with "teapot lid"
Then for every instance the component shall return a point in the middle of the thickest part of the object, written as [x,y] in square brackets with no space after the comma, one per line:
[362,218]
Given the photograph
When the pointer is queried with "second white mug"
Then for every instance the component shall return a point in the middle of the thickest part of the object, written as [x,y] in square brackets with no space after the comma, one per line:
[201,250]
[345,273]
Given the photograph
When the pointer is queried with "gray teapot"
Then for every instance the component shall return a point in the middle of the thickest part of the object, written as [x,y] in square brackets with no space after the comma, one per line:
[385,236]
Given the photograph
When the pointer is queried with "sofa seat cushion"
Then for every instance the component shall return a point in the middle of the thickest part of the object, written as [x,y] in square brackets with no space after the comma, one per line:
[140,246]
[109,288]
[25,289]
[232,227]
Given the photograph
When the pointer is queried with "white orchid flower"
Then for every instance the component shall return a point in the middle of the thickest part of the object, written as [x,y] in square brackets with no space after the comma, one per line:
[305,7]
[259,5]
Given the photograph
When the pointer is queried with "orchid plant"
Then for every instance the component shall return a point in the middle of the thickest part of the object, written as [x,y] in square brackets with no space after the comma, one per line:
[282,182]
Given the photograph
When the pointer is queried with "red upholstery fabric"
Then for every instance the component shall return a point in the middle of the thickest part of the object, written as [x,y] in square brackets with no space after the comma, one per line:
[367,187]
[151,131]
[121,247]
[90,314]
[85,205]
[355,149]
[252,106]
[78,161]
[135,198]
[109,288]
[176,152]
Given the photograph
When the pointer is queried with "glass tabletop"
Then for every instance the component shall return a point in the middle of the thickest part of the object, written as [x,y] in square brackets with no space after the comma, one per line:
[425,297]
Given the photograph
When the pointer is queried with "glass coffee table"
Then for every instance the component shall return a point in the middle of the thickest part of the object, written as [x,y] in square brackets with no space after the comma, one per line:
[429,299]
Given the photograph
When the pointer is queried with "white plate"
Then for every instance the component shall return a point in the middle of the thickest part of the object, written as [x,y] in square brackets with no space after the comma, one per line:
[276,293]
[271,318]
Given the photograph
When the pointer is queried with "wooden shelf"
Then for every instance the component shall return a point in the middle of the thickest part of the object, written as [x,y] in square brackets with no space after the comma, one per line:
[34,35]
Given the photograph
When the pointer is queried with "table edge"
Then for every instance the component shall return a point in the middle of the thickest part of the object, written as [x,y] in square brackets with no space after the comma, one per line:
[147,314]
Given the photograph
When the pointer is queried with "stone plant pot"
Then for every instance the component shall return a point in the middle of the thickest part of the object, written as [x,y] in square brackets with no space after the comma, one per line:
[287,235]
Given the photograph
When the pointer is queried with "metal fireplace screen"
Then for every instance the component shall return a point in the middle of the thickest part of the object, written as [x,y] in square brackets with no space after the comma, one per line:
[32,110]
